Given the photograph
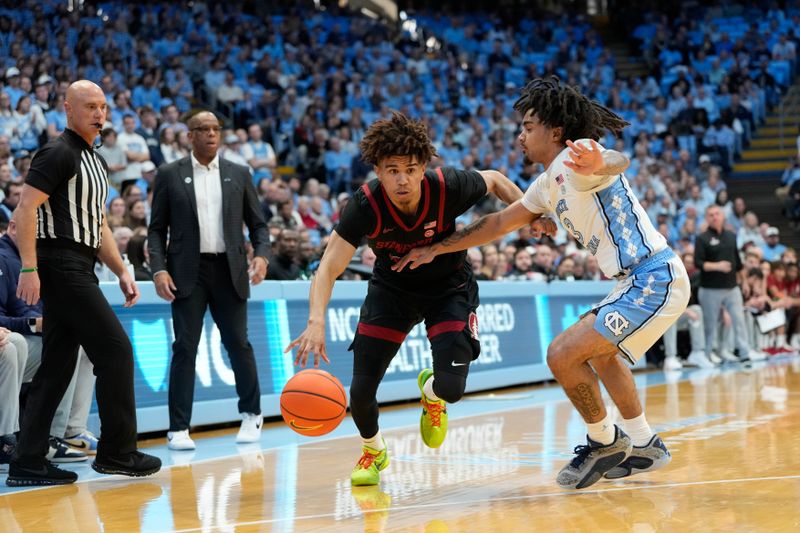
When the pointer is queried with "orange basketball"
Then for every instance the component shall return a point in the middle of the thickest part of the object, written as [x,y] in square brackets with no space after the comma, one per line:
[313,402]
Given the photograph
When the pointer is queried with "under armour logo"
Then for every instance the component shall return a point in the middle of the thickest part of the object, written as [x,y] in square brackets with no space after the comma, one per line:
[616,323]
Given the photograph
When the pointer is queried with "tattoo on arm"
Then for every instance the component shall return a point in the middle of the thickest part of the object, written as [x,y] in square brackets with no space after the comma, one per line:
[458,236]
[584,401]
[613,163]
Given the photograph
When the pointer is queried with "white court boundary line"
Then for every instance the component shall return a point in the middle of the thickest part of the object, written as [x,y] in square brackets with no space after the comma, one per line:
[504,499]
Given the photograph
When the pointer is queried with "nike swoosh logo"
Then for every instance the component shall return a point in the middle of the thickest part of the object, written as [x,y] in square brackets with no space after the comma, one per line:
[82,446]
[127,464]
[458,364]
[42,471]
[303,428]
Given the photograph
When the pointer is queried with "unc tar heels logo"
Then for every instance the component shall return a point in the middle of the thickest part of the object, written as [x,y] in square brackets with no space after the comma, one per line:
[616,323]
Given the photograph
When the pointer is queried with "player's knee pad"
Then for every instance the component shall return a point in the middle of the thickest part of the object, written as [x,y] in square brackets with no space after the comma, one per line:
[452,354]
[449,387]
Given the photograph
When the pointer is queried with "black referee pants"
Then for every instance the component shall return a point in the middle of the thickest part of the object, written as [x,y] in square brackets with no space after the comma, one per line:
[214,290]
[77,314]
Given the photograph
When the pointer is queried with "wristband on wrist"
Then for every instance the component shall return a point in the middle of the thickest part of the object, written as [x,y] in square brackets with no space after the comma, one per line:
[31,269]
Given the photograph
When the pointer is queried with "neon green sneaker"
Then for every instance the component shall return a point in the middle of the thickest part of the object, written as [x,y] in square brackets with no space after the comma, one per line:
[433,421]
[368,469]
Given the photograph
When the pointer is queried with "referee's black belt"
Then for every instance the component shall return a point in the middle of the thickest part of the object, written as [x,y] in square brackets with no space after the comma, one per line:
[213,257]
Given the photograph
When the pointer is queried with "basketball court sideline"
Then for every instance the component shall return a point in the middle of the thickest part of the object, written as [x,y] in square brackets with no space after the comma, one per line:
[731,432]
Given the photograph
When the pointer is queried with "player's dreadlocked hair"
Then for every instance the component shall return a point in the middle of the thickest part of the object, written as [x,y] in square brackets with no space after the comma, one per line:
[561,106]
[397,136]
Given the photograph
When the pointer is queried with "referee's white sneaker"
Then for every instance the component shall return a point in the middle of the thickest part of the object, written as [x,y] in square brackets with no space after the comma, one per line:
[179,440]
[251,428]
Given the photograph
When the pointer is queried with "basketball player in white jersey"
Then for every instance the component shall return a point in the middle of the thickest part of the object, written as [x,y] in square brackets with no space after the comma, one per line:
[584,187]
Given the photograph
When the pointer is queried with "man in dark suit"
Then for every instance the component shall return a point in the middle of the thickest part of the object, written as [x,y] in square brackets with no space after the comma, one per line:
[201,201]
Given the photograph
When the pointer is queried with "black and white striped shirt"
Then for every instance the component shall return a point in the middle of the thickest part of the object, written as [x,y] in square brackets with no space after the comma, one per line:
[75,178]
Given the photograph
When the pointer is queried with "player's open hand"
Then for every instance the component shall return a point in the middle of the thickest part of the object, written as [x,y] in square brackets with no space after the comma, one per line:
[584,160]
[310,342]
[28,287]
[415,258]
[543,226]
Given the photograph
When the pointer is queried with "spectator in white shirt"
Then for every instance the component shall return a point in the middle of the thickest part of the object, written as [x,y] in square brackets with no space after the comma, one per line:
[114,156]
[135,148]
[229,93]
[231,150]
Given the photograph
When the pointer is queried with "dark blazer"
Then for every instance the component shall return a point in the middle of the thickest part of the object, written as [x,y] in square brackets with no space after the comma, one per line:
[174,214]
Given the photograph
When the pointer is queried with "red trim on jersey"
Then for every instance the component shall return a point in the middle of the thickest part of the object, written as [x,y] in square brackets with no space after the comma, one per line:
[375,208]
[447,326]
[426,193]
[380,332]
[441,199]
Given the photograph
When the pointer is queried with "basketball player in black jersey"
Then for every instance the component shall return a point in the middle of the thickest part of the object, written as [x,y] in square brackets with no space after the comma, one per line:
[407,206]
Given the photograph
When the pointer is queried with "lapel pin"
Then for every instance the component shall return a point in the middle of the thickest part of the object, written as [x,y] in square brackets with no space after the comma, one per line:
[187,179]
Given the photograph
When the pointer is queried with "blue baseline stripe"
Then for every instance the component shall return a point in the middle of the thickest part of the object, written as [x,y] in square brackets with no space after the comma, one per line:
[658,309]
[544,322]
[602,209]
[629,194]
[277,326]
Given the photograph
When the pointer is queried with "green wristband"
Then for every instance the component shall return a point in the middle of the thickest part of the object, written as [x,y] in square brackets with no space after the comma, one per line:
[32,269]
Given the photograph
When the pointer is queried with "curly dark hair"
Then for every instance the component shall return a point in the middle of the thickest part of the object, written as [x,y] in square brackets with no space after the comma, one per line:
[560,106]
[397,136]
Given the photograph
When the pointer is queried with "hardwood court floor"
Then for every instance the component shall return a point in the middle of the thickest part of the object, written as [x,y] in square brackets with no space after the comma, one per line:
[733,434]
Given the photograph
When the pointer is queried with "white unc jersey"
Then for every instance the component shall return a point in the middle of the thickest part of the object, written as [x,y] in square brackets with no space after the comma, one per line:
[601,213]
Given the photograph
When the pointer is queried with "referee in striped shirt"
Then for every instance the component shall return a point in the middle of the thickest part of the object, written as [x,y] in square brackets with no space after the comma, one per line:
[67,188]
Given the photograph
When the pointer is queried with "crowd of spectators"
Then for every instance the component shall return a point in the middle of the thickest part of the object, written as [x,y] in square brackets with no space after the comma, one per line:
[297,87]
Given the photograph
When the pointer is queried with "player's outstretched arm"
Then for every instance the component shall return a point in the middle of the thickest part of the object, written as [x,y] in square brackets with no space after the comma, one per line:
[594,161]
[498,184]
[337,256]
[483,230]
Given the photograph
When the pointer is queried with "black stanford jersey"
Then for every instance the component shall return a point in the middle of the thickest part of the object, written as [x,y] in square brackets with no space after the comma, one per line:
[446,194]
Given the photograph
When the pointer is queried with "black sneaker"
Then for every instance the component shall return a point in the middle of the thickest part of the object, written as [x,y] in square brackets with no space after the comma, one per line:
[40,472]
[136,464]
